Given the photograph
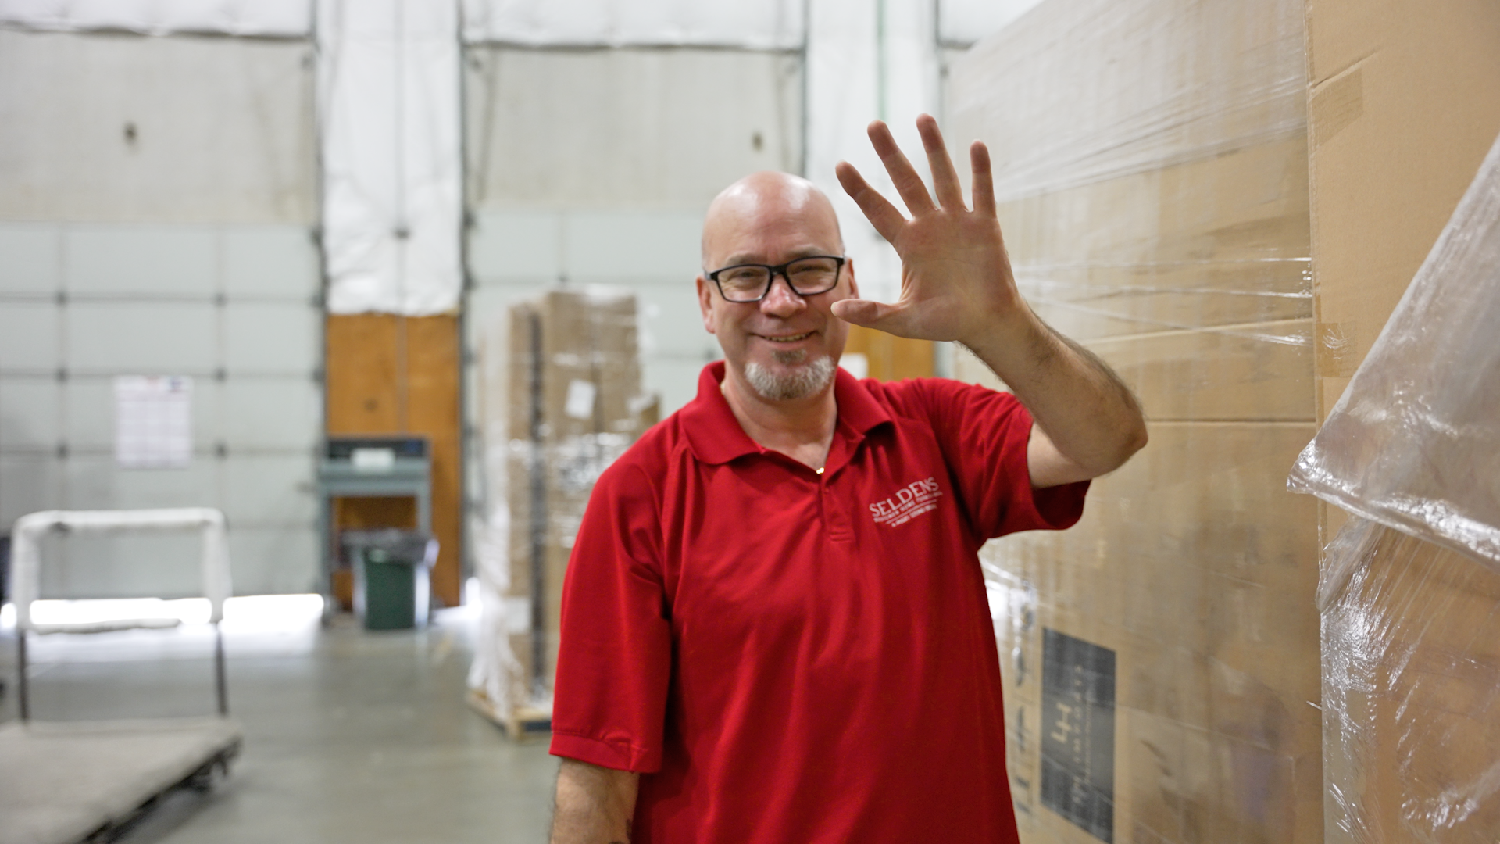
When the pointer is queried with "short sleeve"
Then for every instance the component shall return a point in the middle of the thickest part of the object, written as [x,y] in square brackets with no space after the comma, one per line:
[615,655]
[983,434]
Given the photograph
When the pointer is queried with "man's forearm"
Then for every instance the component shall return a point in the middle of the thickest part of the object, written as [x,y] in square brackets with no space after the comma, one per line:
[593,805]
[1089,415]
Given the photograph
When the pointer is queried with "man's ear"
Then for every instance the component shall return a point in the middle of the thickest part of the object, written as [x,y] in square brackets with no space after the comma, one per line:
[705,303]
[853,285]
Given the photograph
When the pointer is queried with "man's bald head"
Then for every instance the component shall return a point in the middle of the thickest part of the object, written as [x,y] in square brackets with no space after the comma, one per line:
[767,199]
[784,346]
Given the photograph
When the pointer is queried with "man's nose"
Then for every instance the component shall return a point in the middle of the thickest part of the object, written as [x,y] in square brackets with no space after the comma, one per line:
[781,299]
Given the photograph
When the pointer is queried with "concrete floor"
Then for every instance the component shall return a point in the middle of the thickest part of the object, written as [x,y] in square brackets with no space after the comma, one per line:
[350,736]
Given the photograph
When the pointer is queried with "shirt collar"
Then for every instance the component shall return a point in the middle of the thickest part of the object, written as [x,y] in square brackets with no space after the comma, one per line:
[715,436]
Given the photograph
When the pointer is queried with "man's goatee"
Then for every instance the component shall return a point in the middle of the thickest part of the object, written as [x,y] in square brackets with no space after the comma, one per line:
[799,383]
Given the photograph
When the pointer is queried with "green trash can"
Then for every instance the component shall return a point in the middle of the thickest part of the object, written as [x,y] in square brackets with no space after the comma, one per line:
[392,577]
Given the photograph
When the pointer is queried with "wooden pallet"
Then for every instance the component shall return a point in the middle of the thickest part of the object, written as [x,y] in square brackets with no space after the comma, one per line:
[522,723]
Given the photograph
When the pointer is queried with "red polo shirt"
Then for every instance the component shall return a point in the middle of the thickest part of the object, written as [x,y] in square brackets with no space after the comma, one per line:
[788,656]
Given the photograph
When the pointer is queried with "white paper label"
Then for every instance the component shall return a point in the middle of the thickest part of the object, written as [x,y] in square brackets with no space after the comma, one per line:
[580,404]
[372,459]
[517,616]
[153,421]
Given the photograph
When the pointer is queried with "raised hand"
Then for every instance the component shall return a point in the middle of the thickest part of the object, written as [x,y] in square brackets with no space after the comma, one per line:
[956,281]
[956,284]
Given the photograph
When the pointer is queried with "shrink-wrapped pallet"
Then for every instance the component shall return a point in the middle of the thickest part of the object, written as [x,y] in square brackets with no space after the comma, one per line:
[562,400]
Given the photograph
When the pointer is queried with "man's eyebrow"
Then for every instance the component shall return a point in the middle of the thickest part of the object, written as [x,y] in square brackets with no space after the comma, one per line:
[792,255]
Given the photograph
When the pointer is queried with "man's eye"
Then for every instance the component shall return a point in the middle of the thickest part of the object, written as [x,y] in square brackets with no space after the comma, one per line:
[743,275]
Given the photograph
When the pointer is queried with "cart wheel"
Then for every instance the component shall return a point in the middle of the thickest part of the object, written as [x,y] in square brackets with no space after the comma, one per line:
[214,770]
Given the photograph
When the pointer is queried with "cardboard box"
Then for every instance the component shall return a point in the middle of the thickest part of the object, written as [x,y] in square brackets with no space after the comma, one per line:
[1404,103]
[1161,658]
[589,383]
[562,401]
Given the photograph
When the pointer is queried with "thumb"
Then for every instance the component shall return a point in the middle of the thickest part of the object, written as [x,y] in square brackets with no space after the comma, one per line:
[861,311]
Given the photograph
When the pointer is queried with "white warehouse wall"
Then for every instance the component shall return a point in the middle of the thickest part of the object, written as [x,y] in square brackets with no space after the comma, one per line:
[156,212]
[157,199]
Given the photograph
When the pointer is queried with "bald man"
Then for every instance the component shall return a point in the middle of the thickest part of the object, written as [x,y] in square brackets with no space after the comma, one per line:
[774,623]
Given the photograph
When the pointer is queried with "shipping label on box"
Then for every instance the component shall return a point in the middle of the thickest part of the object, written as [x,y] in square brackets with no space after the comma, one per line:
[1078,732]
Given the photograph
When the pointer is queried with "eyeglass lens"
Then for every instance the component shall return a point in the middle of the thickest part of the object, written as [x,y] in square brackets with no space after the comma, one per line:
[750,282]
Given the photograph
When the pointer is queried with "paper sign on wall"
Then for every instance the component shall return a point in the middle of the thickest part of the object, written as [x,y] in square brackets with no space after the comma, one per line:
[153,422]
[580,403]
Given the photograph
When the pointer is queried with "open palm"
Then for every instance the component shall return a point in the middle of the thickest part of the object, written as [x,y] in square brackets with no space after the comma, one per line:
[956,280]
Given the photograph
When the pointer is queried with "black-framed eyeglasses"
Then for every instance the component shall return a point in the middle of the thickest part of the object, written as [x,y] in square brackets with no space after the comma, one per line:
[807,276]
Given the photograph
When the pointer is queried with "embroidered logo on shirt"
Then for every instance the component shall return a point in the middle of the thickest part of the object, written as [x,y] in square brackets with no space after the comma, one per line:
[910,501]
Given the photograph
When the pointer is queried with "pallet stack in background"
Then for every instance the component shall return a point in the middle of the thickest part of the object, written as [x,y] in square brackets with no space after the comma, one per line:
[1164,672]
[562,400]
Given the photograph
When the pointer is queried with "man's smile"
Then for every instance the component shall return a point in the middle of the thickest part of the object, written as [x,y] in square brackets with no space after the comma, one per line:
[786,338]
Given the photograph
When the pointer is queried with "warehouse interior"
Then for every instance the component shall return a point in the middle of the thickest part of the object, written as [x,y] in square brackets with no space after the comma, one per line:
[334,268]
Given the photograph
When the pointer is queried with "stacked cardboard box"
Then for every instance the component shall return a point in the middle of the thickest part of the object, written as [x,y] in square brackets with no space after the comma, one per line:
[1163,661]
[1161,658]
[563,399]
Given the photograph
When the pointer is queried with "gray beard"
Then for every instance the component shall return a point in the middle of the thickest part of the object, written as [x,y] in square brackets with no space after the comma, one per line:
[800,383]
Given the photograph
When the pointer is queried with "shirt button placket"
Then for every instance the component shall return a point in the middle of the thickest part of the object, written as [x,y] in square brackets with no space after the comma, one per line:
[834,518]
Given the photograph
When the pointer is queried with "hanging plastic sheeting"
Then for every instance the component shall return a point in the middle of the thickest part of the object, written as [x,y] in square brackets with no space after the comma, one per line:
[1411,691]
[258,18]
[1414,442]
[1410,627]
[867,61]
[763,25]
[389,100]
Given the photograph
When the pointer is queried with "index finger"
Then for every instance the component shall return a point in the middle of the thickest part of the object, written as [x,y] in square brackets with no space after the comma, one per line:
[884,216]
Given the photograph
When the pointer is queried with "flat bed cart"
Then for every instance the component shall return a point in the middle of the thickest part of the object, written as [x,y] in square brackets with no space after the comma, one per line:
[69,782]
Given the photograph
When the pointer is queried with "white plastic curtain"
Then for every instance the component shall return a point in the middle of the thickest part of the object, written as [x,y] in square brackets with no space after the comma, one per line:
[388,93]
[867,61]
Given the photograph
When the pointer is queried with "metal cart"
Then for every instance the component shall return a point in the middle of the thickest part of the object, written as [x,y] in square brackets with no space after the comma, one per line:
[65,782]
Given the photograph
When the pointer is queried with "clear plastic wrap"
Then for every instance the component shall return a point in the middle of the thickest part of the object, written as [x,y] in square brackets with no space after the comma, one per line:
[1411,691]
[561,401]
[1152,160]
[1414,442]
[1410,622]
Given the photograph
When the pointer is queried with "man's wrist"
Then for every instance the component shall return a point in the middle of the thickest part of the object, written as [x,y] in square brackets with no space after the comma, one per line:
[1012,342]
